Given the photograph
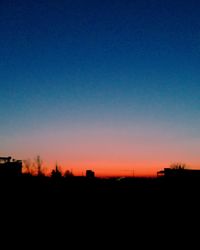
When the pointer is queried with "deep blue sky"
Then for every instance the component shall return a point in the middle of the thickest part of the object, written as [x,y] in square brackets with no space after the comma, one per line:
[103,63]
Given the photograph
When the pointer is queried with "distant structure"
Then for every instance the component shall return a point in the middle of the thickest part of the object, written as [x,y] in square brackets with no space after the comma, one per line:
[56,173]
[179,172]
[90,174]
[10,167]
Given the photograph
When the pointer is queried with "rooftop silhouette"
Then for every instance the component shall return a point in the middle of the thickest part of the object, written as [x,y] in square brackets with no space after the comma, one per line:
[179,173]
[10,167]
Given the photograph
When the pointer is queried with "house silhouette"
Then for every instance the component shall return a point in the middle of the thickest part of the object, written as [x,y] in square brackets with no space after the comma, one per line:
[179,172]
[10,167]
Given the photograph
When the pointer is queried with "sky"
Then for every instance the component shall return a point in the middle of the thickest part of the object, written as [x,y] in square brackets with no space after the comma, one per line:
[112,86]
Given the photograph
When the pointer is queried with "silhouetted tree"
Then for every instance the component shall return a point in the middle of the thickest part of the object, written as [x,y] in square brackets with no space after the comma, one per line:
[56,173]
[68,173]
[39,163]
[27,166]
[178,165]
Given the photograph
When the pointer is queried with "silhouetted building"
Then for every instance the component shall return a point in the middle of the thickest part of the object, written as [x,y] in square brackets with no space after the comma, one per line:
[10,167]
[90,174]
[179,172]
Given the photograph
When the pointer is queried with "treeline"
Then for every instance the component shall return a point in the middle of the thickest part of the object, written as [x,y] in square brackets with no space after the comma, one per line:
[36,168]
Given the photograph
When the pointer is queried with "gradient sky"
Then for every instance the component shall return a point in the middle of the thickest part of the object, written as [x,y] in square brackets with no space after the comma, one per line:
[112,86]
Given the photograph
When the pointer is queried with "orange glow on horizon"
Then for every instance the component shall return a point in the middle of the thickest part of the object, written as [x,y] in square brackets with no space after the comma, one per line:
[110,169]
[108,151]
[103,169]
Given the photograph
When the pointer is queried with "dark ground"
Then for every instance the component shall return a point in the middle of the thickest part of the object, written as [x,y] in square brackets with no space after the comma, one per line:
[99,209]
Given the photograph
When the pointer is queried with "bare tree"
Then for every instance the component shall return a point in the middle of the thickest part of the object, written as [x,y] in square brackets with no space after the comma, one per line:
[178,165]
[39,167]
[29,167]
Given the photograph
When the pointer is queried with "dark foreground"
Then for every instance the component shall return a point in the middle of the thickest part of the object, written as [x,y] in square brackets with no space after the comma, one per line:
[99,208]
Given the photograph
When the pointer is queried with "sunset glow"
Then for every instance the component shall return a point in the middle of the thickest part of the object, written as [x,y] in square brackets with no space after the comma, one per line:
[111,86]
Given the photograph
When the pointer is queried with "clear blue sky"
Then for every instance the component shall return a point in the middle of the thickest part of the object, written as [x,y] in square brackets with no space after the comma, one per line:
[116,68]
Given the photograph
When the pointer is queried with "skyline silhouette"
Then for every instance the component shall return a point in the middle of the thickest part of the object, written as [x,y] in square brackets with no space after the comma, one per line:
[12,167]
[78,206]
